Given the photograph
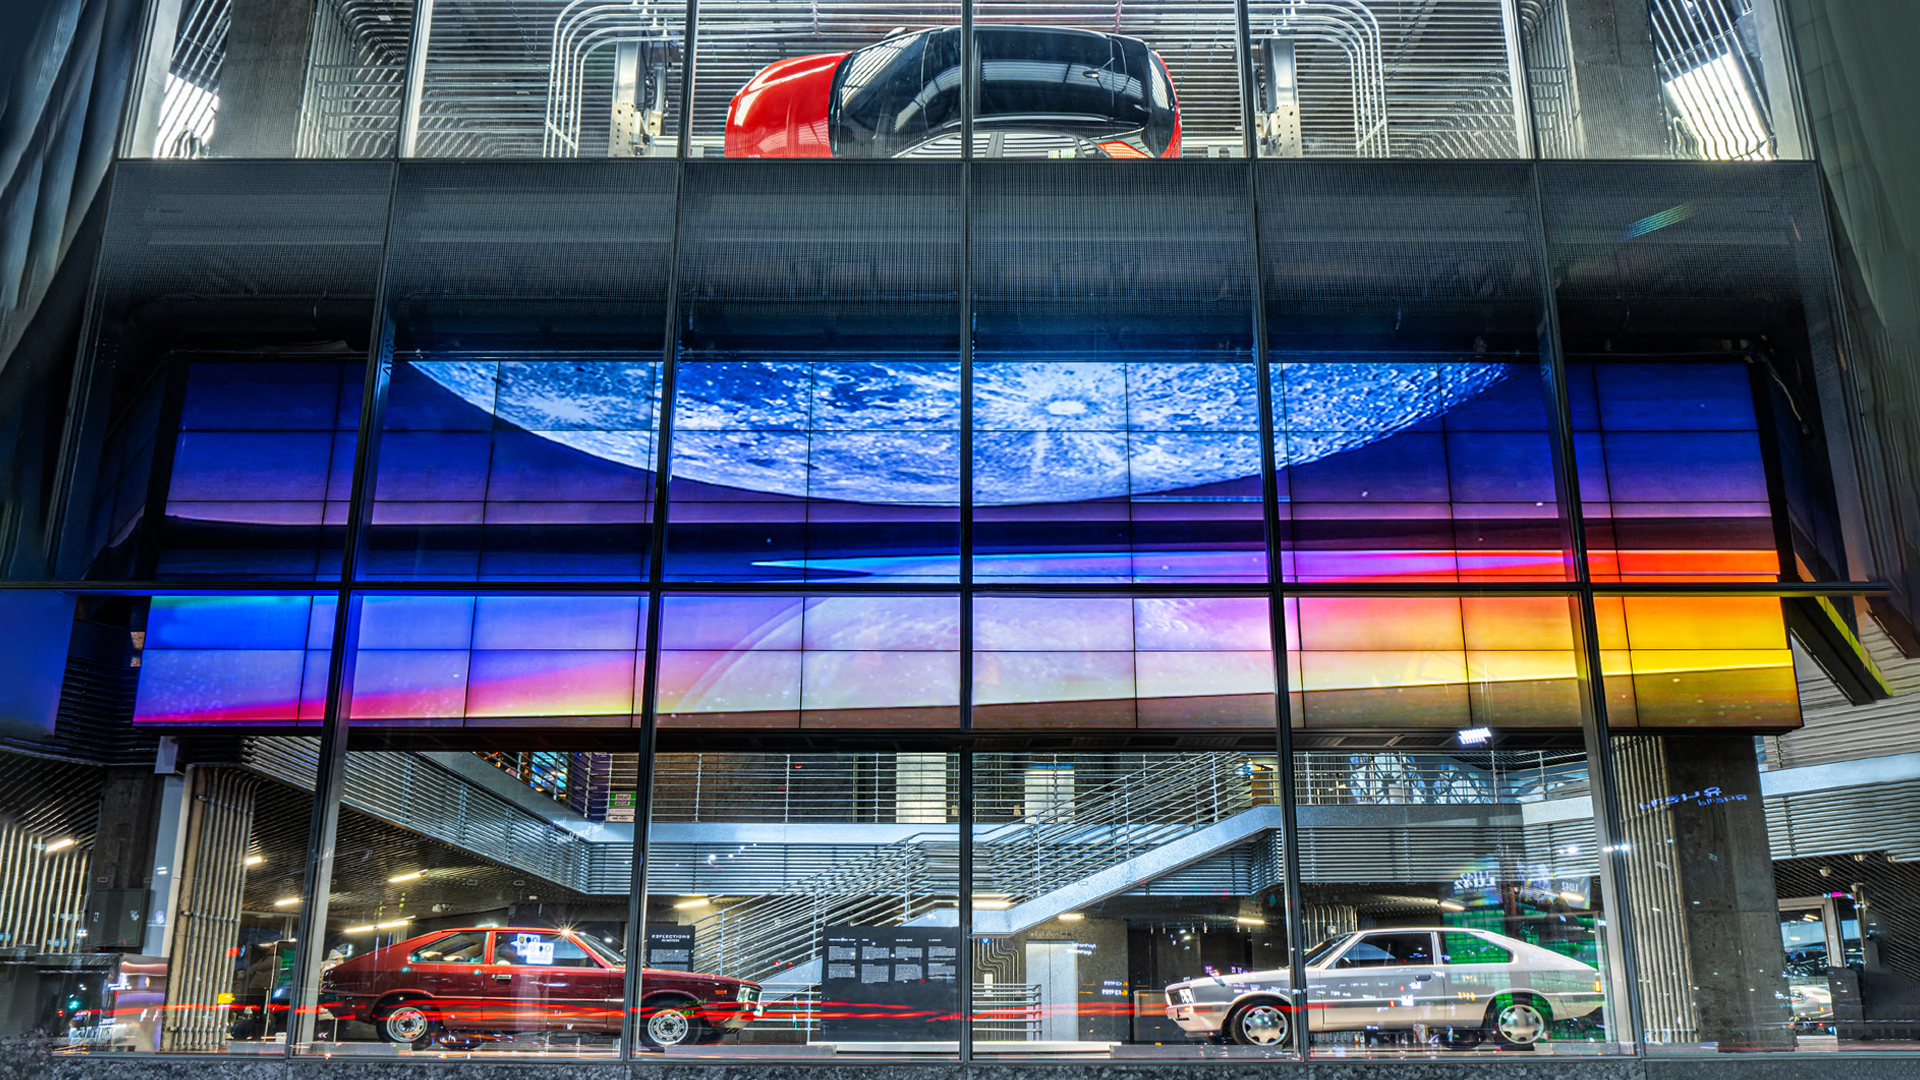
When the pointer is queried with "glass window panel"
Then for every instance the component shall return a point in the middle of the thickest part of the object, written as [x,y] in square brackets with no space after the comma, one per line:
[1460,662]
[1696,661]
[827,80]
[519,433]
[815,662]
[1492,851]
[548,80]
[1164,947]
[516,467]
[1115,402]
[1118,663]
[1671,472]
[1387,78]
[817,395]
[1157,81]
[1663,79]
[232,660]
[1697,414]
[840,919]
[215,438]
[271,80]
[1410,416]
[478,907]
[155,809]
[502,661]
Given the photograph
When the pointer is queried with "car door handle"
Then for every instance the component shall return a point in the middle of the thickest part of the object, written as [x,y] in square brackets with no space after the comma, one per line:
[503,978]
[1421,978]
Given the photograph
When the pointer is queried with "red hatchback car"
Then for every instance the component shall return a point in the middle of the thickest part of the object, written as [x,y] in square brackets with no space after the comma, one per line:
[1043,92]
[476,983]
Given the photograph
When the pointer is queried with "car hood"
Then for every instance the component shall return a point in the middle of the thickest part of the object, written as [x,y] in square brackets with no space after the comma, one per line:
[1246,980]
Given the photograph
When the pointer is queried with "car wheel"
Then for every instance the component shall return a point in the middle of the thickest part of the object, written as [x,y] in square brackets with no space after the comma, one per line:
[408,1023]
[1518,1023]
[671,1023]
[1258,1023]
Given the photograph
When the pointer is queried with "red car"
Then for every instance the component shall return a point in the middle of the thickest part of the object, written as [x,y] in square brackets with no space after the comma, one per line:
[497,982]
[1044,91]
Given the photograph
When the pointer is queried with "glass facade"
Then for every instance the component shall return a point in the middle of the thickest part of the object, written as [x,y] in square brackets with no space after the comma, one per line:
[1163,79]
[707,611]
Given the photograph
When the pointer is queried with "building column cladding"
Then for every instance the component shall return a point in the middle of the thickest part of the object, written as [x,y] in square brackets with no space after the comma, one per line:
[1700,879]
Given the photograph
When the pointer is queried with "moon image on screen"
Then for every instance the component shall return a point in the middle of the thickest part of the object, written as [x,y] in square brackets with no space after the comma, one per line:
[888,432]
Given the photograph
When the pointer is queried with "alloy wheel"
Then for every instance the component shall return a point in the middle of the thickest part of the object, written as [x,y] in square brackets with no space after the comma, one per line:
[1520,1023]
[408,1024]
[668,1027]
[1261,1025]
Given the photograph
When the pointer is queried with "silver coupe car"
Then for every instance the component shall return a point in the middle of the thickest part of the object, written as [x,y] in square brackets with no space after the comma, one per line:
[1456,985]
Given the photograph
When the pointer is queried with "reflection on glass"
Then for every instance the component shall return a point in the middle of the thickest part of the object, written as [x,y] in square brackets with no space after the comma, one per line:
[443,938]
[818,891]
[1430,661]
[1106,885]
[499,660]
[810,662]
[1454,899]
[1117,663]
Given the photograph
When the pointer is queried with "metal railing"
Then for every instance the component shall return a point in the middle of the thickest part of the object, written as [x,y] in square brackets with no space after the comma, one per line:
[1323,778]
[1056,842]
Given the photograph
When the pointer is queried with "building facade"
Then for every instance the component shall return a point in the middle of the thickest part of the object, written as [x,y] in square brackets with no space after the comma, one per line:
[1295,533]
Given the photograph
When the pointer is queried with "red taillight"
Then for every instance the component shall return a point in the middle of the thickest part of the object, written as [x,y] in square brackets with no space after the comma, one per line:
[1116,148]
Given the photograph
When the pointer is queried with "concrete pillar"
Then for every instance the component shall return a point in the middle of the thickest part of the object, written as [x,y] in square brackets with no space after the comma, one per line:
[1617,91]
[1700,880]
[262,79]
[206,917]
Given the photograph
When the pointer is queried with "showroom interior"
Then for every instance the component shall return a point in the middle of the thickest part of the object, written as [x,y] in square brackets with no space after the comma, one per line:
[768,534]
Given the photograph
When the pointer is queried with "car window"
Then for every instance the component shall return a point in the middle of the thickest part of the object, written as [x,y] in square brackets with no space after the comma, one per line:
[1470,949]
[524,949]
[1387,950]
[452,949]
[1324,949]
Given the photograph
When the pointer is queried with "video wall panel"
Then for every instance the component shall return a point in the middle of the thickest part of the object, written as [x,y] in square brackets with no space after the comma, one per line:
[516,661]
[758,661]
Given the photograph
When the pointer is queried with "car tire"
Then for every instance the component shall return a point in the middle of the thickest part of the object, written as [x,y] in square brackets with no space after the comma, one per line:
[410,1023]
[1518,1022]
[671,1022]
[1259,1023]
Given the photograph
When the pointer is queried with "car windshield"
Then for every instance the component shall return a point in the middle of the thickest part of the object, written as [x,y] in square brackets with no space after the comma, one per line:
[1325,949]
[614,957]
